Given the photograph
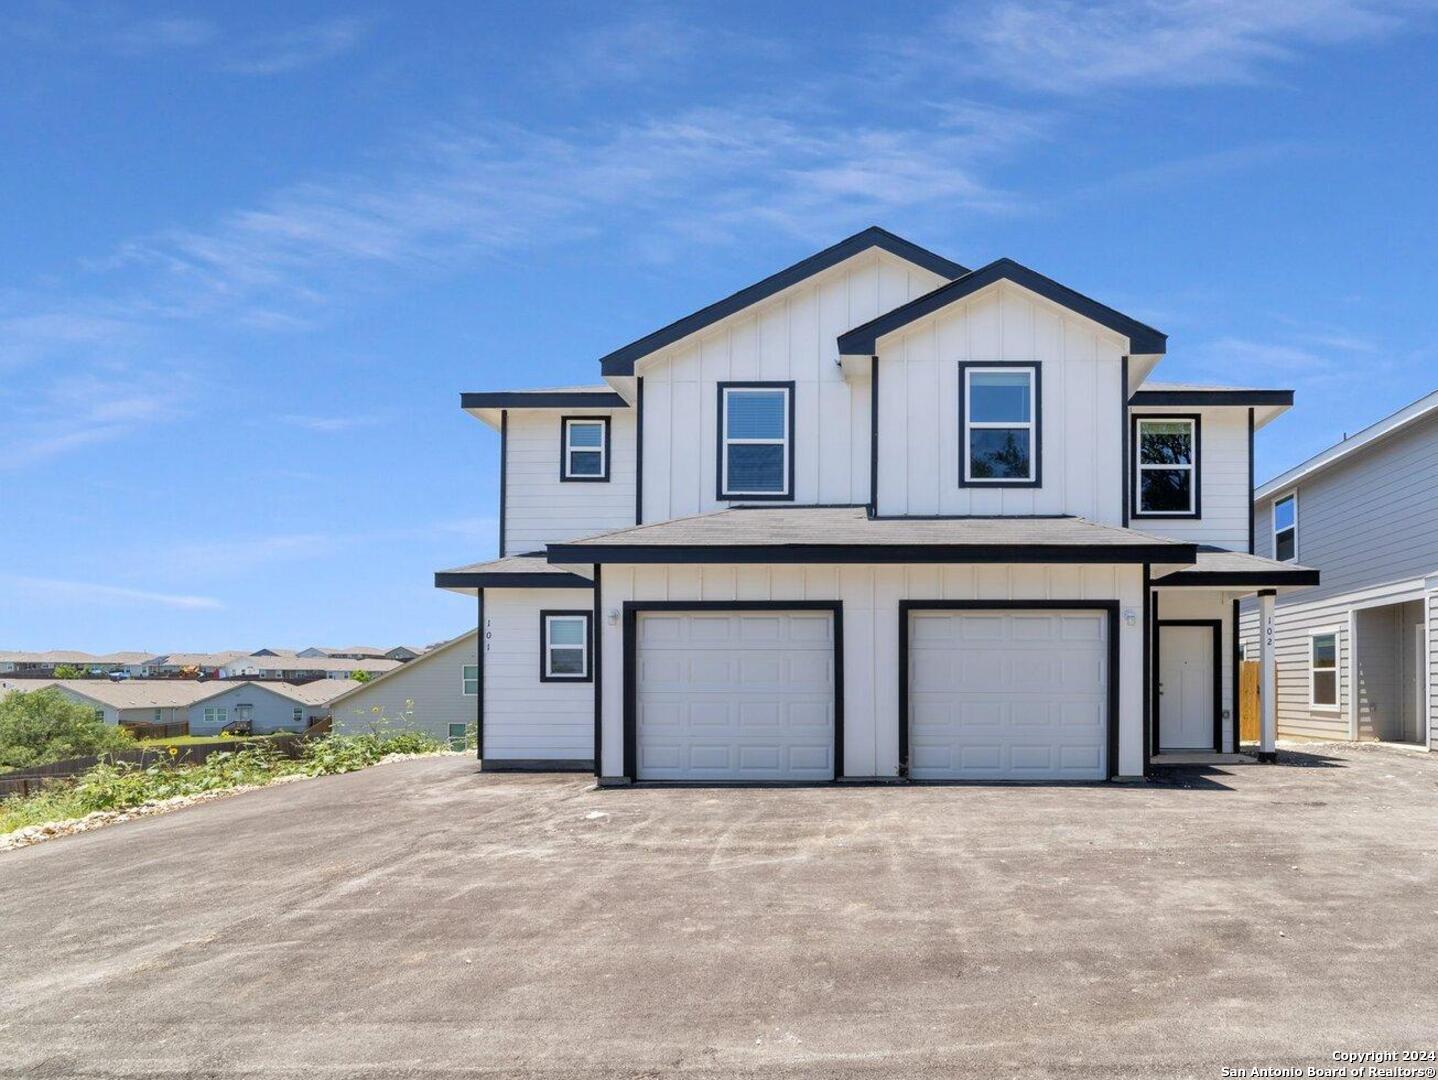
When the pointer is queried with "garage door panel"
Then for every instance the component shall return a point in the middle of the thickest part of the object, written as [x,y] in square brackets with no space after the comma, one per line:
[752,697]
[1004,695]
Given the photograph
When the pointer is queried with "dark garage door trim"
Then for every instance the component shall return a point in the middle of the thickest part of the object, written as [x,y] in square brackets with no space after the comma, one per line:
[634,608]
[1109,607]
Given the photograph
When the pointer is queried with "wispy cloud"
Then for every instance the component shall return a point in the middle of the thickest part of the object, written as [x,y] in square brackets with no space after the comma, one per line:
[147,36]
[53,590]
[328,425]
[301,47]
[1071,48]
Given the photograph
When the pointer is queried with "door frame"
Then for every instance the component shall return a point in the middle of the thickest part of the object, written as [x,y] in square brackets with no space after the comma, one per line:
[634,608]
[1108,607]
[1215,627]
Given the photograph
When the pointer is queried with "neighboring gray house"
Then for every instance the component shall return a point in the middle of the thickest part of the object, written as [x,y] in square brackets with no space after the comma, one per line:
[136,701]
[1357,655]
[267,706]
[437,692]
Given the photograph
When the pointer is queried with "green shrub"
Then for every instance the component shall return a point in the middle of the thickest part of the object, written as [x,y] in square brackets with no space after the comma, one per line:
[38,726]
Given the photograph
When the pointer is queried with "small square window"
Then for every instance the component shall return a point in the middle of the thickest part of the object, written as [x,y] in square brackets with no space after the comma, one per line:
[585,448]
[564,646]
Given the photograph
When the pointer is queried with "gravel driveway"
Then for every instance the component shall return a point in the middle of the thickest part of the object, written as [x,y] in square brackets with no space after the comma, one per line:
[424,920]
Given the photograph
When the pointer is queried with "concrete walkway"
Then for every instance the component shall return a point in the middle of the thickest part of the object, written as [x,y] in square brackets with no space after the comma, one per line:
[424,920]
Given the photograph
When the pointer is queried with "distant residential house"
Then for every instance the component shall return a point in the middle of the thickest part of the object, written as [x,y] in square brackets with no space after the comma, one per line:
[403,652]
[265,707]
[43,664]
[294,668]
[134,701]
[209,665]
[437,693]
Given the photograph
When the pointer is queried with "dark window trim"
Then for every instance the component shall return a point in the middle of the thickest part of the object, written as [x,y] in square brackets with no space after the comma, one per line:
[634,608]
[835,554]
[791,447]
[597,667]
[1123,437]
[587,615]
[1109,607]
[564,477]
[1138,513]
[1215,627]
[503,475]
[1036,443]
[639,450]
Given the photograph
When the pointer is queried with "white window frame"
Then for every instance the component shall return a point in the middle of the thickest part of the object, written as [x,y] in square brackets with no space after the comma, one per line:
[217,714]
[603,450]
[1313,636]
[1274,530]
[1031,425]
[1191,467]
[465,678]
[548,648]
[297,714]
[786,441]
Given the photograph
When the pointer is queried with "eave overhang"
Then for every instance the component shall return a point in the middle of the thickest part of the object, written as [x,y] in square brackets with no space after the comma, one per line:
[873,553]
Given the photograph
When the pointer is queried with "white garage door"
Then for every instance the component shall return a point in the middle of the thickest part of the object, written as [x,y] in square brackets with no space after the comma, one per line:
[997,695]
[735,696]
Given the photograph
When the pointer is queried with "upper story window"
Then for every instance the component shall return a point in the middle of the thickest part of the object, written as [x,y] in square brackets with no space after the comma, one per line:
[999,414]
[1285,527]
[1166,476]
[756,441]
[586,448]
[564,646]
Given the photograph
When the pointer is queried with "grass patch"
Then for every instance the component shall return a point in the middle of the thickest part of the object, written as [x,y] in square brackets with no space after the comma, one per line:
[124,786]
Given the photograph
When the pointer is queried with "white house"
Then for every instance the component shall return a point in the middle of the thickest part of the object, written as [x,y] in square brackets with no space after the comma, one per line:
[878,516]
[1358,657]
[437,693]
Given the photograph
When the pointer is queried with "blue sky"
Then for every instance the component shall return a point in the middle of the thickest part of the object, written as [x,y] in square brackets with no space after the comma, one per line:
[250,254]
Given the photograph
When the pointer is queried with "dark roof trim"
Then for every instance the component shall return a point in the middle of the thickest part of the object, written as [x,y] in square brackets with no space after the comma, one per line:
[621,361]
[1143,339]
[530,399]
[461,579]
[1211,397]
[1254,579]
[873,553]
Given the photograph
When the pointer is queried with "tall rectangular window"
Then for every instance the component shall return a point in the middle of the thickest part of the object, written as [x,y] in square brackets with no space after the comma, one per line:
[1323,670]
[756,423]
[999,411]
[457,736]
[471,680]
[585,449]
[564,646]
[297,715]
[1166,473]
[1285,527]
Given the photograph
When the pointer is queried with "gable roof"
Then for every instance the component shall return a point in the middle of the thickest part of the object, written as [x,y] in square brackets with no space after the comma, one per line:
[621,361]
[1144,340]
[424,658]
[141,693]
[1389,425]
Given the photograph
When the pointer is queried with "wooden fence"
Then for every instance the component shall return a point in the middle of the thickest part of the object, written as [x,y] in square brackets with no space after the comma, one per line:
[29,780]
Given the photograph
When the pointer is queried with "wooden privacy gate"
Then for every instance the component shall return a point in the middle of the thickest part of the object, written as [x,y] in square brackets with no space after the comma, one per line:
[1248,719]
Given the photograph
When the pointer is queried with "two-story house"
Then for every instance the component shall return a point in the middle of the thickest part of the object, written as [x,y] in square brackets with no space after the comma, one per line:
[1358,657]
[877,516]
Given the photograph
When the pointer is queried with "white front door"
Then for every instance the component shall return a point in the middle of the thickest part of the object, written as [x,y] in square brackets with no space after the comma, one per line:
[1185,688]
[729,695]
[999,695]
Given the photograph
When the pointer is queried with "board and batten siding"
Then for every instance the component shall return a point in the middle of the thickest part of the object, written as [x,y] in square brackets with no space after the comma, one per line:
[1082,410]
[526,719]
[871,595]
[426,694]
[539,507]
[791,336]
[1223,480]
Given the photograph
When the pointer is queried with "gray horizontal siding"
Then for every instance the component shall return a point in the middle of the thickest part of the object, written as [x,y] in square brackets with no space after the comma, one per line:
[1296,718]
[425,695]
